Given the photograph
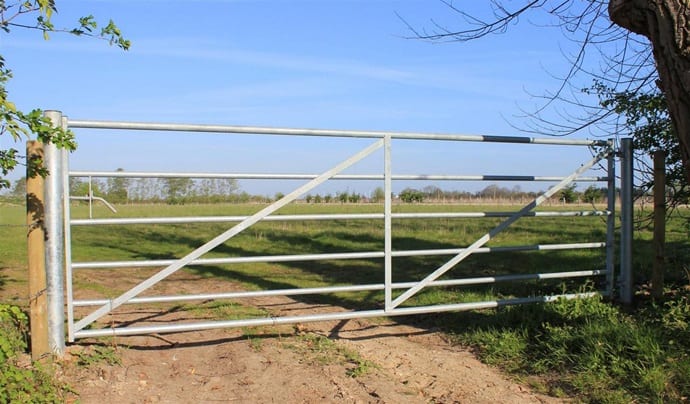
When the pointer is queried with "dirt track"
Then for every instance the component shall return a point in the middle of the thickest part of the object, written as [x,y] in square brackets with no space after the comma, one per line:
[291,365]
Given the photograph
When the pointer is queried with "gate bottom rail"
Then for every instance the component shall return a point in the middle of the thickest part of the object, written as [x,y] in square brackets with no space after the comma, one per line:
[275,321]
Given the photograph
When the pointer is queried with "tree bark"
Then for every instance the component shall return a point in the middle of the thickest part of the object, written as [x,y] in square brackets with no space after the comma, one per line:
[666,23]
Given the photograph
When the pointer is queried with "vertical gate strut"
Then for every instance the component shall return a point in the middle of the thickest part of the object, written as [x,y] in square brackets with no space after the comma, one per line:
[387,224]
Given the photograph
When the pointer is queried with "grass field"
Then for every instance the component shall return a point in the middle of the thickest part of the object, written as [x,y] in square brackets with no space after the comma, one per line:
[585,348]
[150,242]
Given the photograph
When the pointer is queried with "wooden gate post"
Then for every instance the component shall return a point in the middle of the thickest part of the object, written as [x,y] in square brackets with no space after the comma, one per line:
[36,235]
[659,223]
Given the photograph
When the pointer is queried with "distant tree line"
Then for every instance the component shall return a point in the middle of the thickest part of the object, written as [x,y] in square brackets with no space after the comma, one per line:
[434,194]
[494,192]
[154,190]
[226,190]
[161,190]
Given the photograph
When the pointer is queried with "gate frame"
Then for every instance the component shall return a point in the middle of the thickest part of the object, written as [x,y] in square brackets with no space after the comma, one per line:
[58,228]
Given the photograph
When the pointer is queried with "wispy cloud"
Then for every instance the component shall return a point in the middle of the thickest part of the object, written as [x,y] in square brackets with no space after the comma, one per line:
[198,50]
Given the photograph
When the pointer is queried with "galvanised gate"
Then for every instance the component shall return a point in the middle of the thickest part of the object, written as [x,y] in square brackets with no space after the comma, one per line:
[60,267]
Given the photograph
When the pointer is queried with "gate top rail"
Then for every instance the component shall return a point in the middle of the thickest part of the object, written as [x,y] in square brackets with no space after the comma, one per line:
[260,130]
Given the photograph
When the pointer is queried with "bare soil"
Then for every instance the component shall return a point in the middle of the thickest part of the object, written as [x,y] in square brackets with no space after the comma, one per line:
[288,364]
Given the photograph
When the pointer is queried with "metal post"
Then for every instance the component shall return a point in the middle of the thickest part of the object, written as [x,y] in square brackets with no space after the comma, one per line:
[626,275]
[90,199]
[54,242]
[68,239]
[611,221]
[388,239]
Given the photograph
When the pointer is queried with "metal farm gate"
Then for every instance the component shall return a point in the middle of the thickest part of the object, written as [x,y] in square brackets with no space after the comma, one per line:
[59,226]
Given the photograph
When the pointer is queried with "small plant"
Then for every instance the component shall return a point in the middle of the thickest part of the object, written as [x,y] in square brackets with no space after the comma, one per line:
[319,349]
[22,382]
[676,315]
[256,344]
[361,368]
[97,355]
[13,332]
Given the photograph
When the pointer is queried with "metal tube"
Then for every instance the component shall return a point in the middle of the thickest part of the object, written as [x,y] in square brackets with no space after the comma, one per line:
[626,274]
[68,243]
[332,256]
[274,321]
[342,289]
[90,199]
[344,216]
[94,198]
[611,220]
[55,248]
[387,224]
[375,177]
[148,126]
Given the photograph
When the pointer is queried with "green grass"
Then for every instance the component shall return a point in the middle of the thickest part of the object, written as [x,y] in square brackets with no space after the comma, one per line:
[13,255]
[278,238]
[317,349]
[224,310]
[588,349]
[95,355]
[20,383]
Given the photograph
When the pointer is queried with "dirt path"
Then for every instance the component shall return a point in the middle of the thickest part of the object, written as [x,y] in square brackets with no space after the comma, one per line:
[307,363]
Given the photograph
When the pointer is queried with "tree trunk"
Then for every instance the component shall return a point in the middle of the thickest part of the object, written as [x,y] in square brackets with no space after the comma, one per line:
[666,23]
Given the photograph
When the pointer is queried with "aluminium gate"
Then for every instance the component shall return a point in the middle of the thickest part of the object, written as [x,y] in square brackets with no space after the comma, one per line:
[395,294]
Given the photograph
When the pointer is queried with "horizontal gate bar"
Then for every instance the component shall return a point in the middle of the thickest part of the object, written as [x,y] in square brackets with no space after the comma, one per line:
[342,289]
[274,321]
[345,216]
[378,177]
[258,130]
[331,256]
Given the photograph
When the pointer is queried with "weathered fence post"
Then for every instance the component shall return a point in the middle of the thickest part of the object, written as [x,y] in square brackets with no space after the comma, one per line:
[35,220]
[659,223]
[54,257]
[626,274]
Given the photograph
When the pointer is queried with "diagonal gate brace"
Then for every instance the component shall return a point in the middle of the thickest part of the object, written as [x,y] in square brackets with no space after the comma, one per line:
[491,234]
[239,227]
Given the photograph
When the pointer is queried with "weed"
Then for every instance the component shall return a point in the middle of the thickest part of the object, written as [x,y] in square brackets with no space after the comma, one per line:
[224,310]
[25,383]
[13,331]
[97,355]
[318,349]
[676,315]
[255,343]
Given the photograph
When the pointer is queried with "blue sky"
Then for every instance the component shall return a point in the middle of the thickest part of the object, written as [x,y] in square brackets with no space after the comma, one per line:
[319,64]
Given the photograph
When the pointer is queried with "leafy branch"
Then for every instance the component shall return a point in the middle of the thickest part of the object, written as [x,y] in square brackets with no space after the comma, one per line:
[37,15]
